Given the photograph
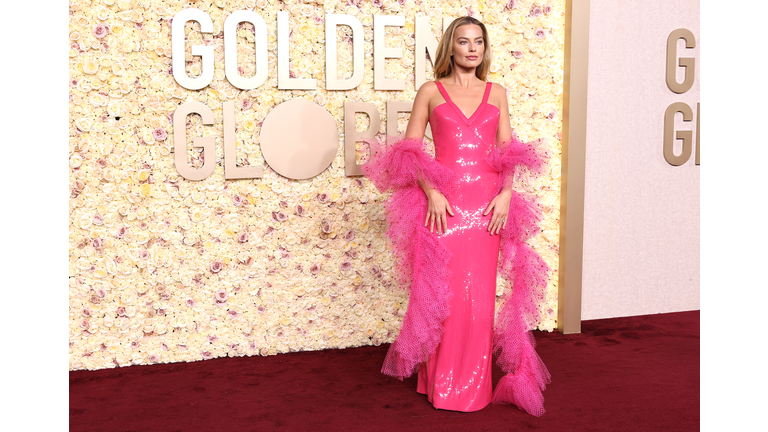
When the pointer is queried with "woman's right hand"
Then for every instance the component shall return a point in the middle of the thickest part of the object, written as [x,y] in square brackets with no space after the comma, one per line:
[438,205]
[437,208]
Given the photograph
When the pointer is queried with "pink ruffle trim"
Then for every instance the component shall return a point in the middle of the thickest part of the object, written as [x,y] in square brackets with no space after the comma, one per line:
[526,375]
[421,260]
[514,156]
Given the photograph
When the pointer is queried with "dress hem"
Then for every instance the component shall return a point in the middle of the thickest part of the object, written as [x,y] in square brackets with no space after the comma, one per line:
[455,409]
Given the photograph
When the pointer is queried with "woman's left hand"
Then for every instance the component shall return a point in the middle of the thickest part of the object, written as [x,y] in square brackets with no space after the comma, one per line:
[500,207]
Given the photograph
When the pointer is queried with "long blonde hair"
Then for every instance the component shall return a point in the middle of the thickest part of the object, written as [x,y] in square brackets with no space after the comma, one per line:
[444,61]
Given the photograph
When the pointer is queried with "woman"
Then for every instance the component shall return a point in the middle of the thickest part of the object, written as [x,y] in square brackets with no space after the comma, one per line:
[469,210]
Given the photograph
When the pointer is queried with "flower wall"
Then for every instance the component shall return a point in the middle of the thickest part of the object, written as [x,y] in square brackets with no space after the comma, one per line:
[163,269]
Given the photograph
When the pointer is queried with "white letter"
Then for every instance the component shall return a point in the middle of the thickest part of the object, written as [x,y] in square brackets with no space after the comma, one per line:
[352,136]
[381,52]
[208,143]
[332,82]
[230,49]
[177,49]
[284,80]
[425,41]
[231,170]
[395,107]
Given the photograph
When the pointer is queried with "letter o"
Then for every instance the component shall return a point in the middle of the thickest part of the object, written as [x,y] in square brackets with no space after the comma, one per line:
[299,139]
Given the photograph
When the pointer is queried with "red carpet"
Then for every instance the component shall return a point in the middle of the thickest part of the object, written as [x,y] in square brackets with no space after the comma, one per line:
[622,374]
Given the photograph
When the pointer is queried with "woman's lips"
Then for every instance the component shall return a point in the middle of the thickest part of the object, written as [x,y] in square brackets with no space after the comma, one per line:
[472,57]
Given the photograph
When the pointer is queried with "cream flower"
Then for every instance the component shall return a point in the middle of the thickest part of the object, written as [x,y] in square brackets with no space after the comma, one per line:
[181,227]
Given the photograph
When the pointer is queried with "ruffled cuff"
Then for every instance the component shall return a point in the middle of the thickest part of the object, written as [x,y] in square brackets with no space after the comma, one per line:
[512,156]
[403,164]
[421,259]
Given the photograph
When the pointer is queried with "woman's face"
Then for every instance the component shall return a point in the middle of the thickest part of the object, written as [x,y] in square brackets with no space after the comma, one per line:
[468,46]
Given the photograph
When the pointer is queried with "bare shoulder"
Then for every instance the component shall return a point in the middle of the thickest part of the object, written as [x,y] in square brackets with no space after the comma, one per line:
[498,90]
[498,95]
[427,89]
[428,95]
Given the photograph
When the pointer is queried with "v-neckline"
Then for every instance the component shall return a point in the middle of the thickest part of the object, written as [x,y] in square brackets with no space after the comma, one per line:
[449,101]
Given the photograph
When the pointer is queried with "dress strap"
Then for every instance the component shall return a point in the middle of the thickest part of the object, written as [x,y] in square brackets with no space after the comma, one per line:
[487,92]
[443,92]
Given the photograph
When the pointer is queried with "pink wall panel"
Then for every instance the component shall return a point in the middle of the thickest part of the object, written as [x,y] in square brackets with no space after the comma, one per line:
[641,220]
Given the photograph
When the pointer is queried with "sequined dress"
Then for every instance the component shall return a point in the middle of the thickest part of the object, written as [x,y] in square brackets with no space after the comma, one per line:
[449,333]
[458,375]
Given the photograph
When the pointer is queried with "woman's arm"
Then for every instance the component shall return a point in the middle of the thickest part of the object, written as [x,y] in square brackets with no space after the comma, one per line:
[437,206]
[417,124]
[499,94]
[500,204]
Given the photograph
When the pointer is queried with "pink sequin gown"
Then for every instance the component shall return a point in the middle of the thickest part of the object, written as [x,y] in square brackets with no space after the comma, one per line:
[458,375]
[449,333]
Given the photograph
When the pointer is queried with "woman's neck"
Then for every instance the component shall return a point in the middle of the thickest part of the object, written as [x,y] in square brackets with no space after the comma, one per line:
[462,77]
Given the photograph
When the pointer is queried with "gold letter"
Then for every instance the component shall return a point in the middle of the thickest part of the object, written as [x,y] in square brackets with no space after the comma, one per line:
[689,63]
[698,136]
[669,134]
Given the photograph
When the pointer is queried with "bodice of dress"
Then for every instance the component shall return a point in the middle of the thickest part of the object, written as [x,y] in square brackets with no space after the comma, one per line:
[461,142]
[462,145]
[458,375]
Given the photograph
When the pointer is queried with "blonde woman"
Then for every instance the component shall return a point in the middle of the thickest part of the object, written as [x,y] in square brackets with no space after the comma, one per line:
[449,219]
